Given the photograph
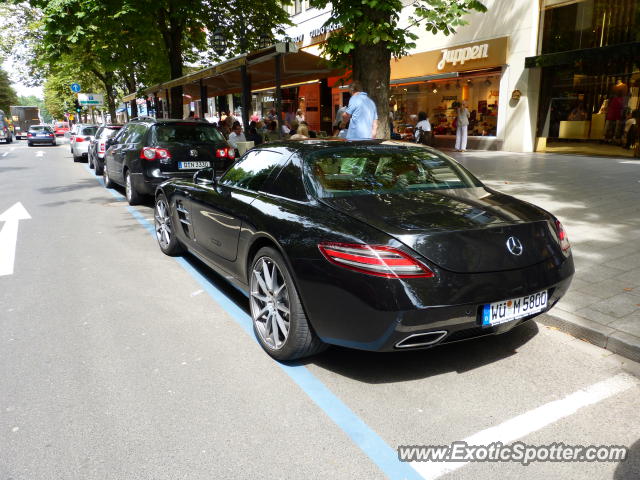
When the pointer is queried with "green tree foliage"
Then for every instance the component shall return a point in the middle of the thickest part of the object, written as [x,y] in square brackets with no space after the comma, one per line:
[371,33]
[8,95]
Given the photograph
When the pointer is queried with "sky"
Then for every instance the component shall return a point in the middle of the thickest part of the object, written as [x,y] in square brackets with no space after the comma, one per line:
[20,88]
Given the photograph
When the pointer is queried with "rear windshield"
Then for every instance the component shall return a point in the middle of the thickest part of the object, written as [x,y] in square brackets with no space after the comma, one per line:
[187,133]
[374,170]
[62,125]
[89,130]
[41,128]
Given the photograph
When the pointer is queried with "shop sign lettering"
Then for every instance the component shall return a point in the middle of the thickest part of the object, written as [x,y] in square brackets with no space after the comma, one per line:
[461,55]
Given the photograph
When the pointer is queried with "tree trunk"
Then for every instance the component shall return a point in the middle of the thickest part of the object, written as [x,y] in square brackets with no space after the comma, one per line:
[372,67]
[172,28]
[108,79]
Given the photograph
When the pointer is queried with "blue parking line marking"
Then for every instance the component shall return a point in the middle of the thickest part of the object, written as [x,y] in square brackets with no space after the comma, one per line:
[365,438]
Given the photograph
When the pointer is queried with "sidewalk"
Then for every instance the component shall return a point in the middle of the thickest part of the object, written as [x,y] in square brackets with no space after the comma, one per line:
[598,201]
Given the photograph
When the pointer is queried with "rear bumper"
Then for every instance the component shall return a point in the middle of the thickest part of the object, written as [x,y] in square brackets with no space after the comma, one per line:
[44,141]
[389,311]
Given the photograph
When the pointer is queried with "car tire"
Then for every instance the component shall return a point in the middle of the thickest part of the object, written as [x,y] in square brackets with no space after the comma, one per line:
[165,233]
[108,183]
[98,167]
[29,144]
[133,196]
[275,303]
[76,158]
[90,162]
[9,140]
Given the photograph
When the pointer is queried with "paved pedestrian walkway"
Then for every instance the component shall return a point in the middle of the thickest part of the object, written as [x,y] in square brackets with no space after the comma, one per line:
[598,201]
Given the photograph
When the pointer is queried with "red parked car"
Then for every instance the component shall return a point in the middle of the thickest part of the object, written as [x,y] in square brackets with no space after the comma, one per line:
[60,128]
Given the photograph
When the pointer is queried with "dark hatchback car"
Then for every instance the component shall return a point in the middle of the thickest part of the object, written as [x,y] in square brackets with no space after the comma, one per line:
[147,152]
[371,245]
[98,146]
[41,134]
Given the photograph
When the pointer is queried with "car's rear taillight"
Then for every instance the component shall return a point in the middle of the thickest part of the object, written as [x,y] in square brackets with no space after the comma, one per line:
[562,237]
[79,139]
[101,147]
[150,153]
[29,135]
[225,152]
[374,260]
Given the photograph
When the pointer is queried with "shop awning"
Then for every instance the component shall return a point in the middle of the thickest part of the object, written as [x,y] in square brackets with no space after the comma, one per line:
[225,77]
[624,52]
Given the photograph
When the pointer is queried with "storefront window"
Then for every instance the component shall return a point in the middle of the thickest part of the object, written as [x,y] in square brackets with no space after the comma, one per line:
[589,24]
[438,99]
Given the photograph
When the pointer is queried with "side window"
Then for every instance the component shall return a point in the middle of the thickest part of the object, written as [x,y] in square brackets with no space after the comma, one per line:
[123,134]
[252,170]
[137,132]
[289,183]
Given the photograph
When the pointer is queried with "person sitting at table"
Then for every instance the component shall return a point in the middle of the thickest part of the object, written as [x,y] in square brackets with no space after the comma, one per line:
[236,135]
[302,133]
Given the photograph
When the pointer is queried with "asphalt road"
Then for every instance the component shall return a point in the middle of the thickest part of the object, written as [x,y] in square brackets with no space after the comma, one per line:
[119,362]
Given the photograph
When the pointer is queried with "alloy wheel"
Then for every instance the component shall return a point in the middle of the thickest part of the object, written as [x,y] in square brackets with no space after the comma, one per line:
[163,223]
[270,303]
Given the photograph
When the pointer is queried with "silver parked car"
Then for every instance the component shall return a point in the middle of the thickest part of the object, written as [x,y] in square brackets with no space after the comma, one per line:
[79,141]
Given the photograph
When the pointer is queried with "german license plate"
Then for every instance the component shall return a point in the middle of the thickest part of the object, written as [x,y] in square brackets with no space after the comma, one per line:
[508,310]
[188,165]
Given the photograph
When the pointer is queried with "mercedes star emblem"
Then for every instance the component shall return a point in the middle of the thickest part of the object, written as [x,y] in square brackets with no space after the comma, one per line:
[193,153]
[514,246]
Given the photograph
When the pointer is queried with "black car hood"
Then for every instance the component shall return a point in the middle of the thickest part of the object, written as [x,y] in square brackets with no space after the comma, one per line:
[462,230]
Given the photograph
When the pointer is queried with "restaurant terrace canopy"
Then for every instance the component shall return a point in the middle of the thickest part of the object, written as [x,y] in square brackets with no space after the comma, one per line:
[271,67]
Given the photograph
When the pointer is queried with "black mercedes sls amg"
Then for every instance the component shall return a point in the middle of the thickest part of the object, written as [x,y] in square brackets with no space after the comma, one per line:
[371,245]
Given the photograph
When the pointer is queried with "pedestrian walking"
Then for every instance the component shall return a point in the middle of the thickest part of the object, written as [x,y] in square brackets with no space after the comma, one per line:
[462,120]
[361,114]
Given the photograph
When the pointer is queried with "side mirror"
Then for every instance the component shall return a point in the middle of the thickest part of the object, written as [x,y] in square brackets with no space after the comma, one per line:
[204,177]
[110,142]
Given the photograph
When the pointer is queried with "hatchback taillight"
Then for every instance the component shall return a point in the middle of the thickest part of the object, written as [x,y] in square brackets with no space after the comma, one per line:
[374,260]
[150,153]
[225,152]
[29,135]
[79,139]
[101,147]
[562,237]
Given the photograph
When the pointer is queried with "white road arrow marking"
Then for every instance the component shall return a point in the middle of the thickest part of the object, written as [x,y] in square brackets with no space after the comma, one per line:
[39,153]
[9,236]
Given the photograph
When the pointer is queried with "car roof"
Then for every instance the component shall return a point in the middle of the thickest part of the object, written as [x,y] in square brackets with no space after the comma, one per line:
[317,144]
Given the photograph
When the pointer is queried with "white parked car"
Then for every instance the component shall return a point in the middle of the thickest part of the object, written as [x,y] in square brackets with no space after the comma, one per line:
[81,137]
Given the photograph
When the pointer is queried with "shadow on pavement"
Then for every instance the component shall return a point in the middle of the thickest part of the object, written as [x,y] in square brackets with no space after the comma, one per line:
[630,468]
[373,367]
[82,184]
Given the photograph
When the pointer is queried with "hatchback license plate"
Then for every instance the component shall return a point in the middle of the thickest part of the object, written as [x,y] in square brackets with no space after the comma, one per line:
[507,310]
[186,165]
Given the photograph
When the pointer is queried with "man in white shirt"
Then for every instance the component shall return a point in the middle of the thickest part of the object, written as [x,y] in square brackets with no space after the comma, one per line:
[236,136]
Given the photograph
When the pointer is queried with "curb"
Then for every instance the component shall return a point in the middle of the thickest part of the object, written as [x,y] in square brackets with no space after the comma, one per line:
[616,341]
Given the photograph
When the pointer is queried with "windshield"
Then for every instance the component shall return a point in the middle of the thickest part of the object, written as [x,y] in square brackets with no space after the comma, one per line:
[109,132]
[89,130]
[374,170]
[187,133]
[40,128]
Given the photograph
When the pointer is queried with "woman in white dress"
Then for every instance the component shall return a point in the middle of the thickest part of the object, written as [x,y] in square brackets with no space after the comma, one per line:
[463,123]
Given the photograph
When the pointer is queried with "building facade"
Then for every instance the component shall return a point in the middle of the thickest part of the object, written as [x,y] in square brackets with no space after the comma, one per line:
[483,64]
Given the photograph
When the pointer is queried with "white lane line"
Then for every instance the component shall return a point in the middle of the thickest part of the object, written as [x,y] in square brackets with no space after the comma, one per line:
[39,153]
[534,420]
[5,154]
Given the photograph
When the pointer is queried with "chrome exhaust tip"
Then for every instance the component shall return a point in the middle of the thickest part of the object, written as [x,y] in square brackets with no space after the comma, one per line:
[421,339]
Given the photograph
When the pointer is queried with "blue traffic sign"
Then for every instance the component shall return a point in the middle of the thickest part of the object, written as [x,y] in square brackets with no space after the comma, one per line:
[75,87]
